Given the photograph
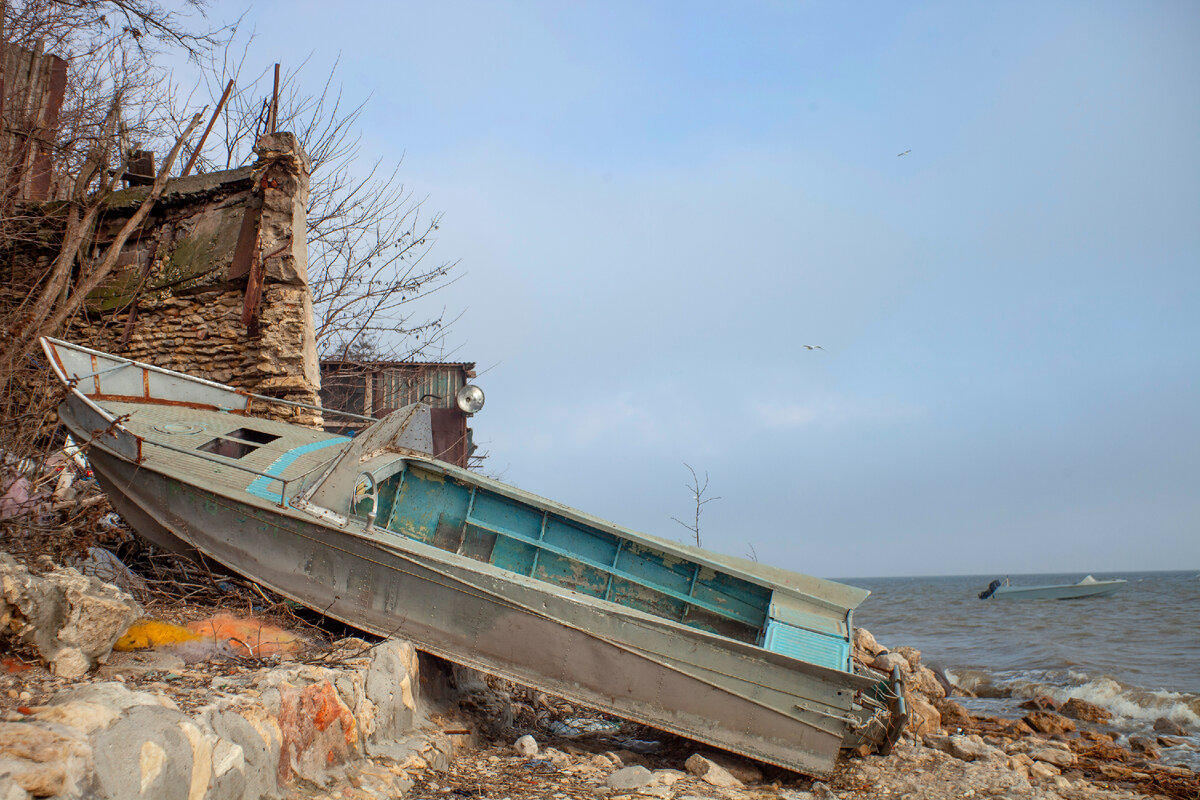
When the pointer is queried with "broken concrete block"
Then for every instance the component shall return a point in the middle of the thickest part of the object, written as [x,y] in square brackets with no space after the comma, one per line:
[712,773]
[630,777]
[72,620]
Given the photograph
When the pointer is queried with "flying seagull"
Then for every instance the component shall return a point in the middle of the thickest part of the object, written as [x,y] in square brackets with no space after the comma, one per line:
[813,347]
[906,152]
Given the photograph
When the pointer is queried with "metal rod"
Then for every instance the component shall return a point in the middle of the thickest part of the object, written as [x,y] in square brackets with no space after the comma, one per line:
[204,136]
[616,557]
[395,497]
[541,535]
[103,371]
[274,103]
[309,406]
[203,382]
[462,539]
[691,592]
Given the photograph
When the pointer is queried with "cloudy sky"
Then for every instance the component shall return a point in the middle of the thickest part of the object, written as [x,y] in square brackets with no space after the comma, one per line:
[657,205]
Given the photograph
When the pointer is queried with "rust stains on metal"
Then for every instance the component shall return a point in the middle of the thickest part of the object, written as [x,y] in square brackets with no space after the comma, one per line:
[247,241]
[31,96]
[133,398]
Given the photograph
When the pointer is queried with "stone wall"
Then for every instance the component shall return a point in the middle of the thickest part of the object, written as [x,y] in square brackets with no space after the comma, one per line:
[216,283]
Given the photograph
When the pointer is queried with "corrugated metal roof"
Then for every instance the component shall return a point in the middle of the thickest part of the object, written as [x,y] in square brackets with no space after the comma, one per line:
[376,365]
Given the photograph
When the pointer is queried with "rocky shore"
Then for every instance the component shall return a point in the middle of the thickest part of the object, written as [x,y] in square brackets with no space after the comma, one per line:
[357,719]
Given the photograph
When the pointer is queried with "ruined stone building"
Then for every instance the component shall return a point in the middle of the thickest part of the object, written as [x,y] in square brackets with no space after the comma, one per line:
[213,282]
[216,282]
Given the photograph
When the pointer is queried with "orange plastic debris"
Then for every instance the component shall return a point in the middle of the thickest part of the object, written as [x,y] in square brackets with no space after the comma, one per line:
[248,636]
[14,664]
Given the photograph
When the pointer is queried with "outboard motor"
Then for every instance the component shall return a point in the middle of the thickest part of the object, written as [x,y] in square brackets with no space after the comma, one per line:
[992,587]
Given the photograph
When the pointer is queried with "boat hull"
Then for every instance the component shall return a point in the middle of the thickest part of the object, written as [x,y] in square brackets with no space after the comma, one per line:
[1072,591]
[731,695]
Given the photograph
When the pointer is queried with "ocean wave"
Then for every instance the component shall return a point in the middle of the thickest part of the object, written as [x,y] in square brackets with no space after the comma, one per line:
[1122,700]
[978,682]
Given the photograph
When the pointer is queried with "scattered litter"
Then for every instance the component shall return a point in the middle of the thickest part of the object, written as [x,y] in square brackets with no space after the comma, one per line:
[577,726]
[641,746]
[107,567]
[111,521]
[17,498]
[11,664]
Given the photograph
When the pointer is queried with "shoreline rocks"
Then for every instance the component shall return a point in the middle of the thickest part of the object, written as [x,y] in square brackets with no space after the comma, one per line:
[1055,750]
[362,725]
[256,735]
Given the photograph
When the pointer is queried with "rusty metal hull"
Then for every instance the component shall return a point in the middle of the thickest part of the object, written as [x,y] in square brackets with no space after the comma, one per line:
[738,698]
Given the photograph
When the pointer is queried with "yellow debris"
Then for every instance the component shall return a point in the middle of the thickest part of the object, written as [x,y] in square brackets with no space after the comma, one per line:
[149,633]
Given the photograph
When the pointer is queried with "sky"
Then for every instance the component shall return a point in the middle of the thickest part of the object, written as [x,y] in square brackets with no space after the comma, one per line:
[986,215]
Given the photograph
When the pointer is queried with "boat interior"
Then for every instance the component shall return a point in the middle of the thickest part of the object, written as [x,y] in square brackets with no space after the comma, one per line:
[427,501]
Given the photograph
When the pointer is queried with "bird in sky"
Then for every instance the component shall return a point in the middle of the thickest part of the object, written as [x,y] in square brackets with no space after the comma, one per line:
[813,347]
[906,152]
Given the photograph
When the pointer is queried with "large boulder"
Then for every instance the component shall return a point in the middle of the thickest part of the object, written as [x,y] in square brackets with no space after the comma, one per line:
[1048,722]
[952,713]
[1084,711]
[924,680]
[745,771]
[911,654]
[711,772]
[1060,757]
[1144,745]
[72,620]
[966,748]
[630,778]
[148,754]
[45,760]
[923,716]
[392,690]
[1169,727]
[884,662]
[864,643]
[1042,702]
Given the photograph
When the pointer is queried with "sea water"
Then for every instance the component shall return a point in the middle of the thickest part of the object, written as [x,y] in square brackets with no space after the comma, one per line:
[1135,654]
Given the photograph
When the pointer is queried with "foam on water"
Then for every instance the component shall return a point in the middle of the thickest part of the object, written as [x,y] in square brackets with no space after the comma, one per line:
[1135,654]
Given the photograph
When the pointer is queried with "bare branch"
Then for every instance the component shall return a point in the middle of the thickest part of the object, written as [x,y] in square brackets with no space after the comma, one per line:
[370,265]
[697,492]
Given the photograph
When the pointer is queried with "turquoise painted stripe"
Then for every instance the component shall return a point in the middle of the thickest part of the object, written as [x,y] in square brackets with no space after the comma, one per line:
[266,488]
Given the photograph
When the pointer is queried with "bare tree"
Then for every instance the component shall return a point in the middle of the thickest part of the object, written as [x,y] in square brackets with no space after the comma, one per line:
[369,237]
[109,51]
[698,492]
[109,47]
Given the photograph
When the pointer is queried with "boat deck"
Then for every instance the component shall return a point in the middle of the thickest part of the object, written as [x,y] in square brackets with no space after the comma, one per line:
[198,443]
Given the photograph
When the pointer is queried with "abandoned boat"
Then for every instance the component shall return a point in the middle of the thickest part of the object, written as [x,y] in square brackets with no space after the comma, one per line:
[375,532]
[1088,587]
